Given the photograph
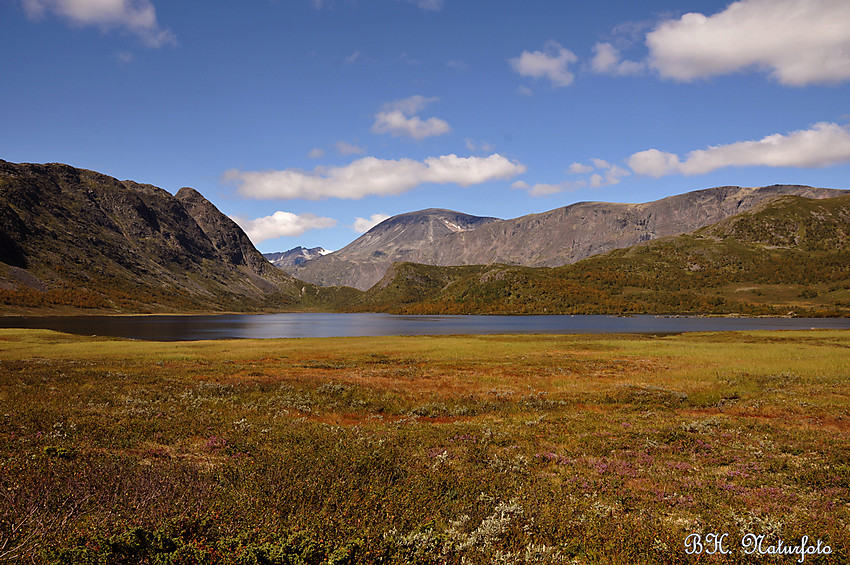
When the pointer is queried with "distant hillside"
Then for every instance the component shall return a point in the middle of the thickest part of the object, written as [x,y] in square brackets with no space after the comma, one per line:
[406,237]
[295,256]
[791,254]
[76,238]
[554,238]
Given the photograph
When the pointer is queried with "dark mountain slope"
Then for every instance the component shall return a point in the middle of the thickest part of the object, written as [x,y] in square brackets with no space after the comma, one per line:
[789,254]
[87,239]
[558,237]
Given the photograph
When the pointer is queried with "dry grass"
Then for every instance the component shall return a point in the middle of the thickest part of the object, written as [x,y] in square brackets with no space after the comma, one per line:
[537,449]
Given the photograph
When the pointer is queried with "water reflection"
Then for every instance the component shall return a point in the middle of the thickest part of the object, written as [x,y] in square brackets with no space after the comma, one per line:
[183,328]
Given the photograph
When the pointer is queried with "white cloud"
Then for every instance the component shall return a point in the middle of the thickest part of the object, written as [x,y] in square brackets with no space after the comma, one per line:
[371,176]
[397,124]
[654,163]
[362,225]
[610,175]
[822,145]
[281,224]
[398,119]
[606,60]
[524,90]
[136,16]
[353,57]
[798,41]
[552,63]
[346,148]
[457,64]
[410,105]
[579,169]
[604,174]
[316,153]
[544,189]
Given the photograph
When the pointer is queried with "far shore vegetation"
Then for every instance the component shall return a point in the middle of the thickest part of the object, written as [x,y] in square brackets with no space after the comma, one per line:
[422,450]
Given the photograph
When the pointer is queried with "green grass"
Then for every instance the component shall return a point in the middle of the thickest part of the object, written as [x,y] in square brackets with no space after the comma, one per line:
[482,449]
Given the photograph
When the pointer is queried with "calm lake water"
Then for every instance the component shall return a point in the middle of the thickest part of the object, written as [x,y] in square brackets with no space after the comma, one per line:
[189,328]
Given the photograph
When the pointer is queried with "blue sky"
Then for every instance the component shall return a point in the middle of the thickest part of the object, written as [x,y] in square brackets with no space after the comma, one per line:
[309,120]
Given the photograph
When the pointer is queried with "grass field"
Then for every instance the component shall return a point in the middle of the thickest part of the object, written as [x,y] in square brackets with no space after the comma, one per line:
[458,449]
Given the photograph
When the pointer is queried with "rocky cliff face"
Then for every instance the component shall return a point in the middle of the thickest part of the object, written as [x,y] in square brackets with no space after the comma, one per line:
[558,237]
[406,237]
[68,228]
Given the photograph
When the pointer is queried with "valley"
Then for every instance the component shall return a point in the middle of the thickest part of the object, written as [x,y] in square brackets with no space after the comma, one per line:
[76,241]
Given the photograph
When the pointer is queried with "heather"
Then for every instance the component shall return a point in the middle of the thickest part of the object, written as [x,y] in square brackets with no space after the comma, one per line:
[474,449]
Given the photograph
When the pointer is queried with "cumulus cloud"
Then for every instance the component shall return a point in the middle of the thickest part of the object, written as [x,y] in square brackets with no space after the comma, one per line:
[822,145]
[362,225]
[371,176]
[604,174]
[136,16]
[607,60]
[551,63]
[281,224]
[608,177]
[316,153]
[579,169]
[398,119]
[655,163]
[798,42]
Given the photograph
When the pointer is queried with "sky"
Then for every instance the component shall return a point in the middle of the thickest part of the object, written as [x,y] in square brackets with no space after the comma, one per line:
[309,121]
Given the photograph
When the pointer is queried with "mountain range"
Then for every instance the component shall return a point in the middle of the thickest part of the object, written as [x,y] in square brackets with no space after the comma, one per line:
[74,239]
[787,254]
[549,239]
[295,256]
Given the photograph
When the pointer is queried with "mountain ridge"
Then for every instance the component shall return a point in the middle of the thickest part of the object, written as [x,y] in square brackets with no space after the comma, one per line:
[105,243]
[548,239]
[294,256]
[403,237]
[790,255]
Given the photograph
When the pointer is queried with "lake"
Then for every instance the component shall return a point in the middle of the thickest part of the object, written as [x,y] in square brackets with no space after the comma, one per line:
[264,326]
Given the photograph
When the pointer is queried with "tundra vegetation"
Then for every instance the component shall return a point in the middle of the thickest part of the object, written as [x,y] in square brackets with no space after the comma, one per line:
[474,449]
